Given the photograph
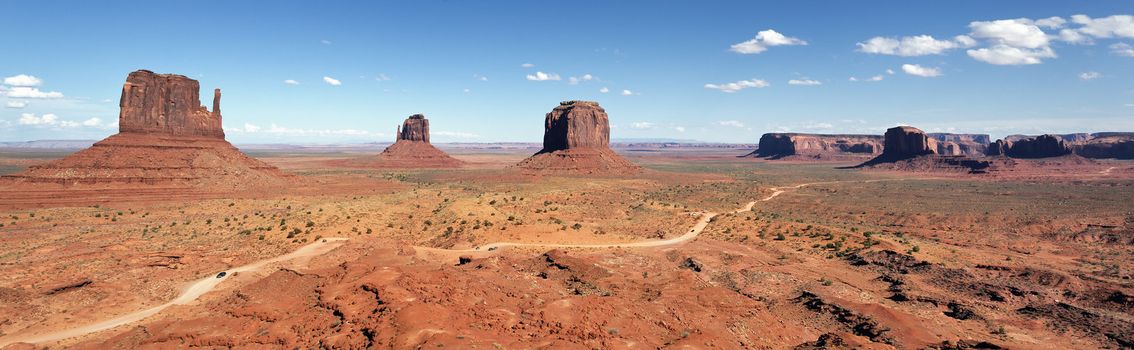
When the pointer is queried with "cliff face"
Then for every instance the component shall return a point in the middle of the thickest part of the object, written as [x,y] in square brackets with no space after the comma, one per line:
[1042,146]
[907,142]
[961,144]
[167,104]
[576,124]
[1119,145]
[576,140]
[415,128]
[776,145]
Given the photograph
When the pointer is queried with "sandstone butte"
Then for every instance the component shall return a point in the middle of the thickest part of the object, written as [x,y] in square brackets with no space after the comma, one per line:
[908,148]
[165,137]
[412,148]
[796,146]
[576,140]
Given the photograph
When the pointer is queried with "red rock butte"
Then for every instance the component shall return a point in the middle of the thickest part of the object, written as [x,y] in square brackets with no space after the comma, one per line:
[576,139]
[413,150]
[165,137]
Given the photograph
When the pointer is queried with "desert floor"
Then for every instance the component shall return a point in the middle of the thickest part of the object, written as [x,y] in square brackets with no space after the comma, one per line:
[702,250]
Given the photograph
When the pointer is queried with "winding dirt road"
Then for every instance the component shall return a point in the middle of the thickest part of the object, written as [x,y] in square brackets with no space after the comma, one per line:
[191,293]
[692,233]
[204,285]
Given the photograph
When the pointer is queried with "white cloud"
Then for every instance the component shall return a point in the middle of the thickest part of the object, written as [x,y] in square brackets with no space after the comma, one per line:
[527,65]
[739,85]
[927,72]
[870,79]
[1051,22]
[32,119]
[17,104]
[804,82]
[1019,33]
[249,127]
[763,40]
[585,77]
[1106,27]
[382,77]
[31,92]
[480,77]
[604,90]
[732,123]
[890,71]
[920,45]
[541,76]
[627,93]
[1122,49]
[1009,55]
[92,122]
[1090,75]
[291,82]
[22,80]
[332,81]
[679,128]
[642,125]
[325,42]
[284,131]
[467,91]
[1074,36]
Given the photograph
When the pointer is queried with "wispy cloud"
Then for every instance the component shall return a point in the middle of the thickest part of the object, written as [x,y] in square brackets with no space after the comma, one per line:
[739,85]
[604,90]
[732,123]
[541,76]
[291,82]
[332,81]
[527,65]
[917,70]
[1090,76]
[16,104]
[804,82]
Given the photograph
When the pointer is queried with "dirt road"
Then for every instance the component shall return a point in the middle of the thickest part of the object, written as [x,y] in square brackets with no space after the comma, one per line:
[191,293]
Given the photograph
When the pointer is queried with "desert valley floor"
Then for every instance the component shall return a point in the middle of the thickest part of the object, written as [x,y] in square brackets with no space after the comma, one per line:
[485,257]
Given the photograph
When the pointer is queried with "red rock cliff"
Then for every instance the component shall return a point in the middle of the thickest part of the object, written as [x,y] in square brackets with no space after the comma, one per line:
[167,104]
[415,128]
[576,124]
[906,142]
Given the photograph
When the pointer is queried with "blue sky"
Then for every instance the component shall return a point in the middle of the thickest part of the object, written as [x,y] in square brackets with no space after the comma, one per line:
[486,71]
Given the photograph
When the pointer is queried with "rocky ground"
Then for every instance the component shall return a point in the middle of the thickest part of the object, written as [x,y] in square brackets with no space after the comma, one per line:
[858,259]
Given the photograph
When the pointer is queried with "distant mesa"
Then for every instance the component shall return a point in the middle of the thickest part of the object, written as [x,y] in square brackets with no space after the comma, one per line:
[165,137]
[817,146]
[837,147]
[576,140]
[1118,145]
[411,149]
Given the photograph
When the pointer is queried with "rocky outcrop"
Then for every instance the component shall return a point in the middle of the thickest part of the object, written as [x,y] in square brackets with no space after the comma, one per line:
[411,149]
[904,142]
[167,104]
[165,138]
[1119,145]
[781,145]
[415,128]
[960,144]
[576,140]
[1042,146]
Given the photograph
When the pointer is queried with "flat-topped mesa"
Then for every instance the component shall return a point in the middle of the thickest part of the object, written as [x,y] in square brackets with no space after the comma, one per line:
[415,128]
[167,104]
[904,142]
[1042,146]
[576,124]
[780,145]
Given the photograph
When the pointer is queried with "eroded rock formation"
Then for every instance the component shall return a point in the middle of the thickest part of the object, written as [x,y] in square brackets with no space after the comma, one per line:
[165,137]
[167,104]
[903,142]
[1042,146]
[961,144]
[415,128]
[576,139]
[781,145]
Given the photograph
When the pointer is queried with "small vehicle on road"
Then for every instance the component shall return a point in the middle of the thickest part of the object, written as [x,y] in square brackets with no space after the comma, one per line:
[221,274]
